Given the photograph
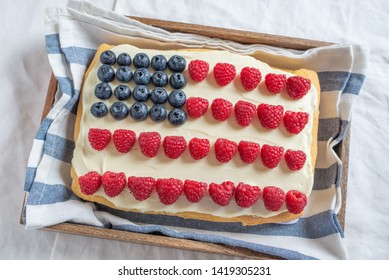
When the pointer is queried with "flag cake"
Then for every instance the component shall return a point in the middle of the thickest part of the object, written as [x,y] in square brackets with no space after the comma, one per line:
[196,133]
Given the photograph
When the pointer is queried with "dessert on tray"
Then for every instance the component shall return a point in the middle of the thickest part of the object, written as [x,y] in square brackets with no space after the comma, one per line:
[201,134]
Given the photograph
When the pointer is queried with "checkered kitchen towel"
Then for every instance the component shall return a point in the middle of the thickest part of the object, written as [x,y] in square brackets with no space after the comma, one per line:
[73,35]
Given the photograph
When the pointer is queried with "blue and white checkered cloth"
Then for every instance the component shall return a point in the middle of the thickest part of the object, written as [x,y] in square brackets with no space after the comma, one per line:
[73,35]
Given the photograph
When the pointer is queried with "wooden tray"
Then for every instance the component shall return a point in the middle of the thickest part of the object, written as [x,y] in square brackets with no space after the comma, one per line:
[157,240]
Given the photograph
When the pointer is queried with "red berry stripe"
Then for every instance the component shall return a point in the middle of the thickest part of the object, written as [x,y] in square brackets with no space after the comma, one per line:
[250,77]
[270,116]
[199,148]
[169,191]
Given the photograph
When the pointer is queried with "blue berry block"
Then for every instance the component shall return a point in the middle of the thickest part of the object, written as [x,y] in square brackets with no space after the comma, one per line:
[124,74]
[142,76]
[108,57]
[139,111]
[124,59]
[159,79]
[177,98]
[176,63]
[122,92]
[141,93]
[105,73]
[159,62]
[141,60]
[158,95]
[177,117]
[158,113]
[119,110]
[99,109]
[103,91]
[177,81]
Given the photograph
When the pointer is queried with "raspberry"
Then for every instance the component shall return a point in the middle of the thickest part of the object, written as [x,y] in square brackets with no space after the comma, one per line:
[169,190]
[221,109]
[99,138]
[194,190]
[295,201]
[123,139]
[273,198]
[225,150]
[275,82]
[198,70]
[246,195]
[250,78]
[295,121]
[244,112]
[113,183]
[224,73]
[297,86]
[149,143]
[248,151]
[199,148]
[295,159]
[196,107]
[174,146]
[222,193]
[90,182]
[271,155]
[141,187]
[270,116]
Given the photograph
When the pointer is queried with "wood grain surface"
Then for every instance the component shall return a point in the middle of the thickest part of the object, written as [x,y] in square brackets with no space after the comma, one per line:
[185,244]
[244,37]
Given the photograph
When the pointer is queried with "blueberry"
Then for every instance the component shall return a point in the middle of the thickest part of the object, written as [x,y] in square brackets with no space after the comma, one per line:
[158,95]
[103,91]
[106,73]
[158,113]
[177,98]
[141,60]
[124,59]
[159,62]
[159,79]
[141,93]
[139,111]
[176,63]
[124,74]
[142,76]
[177,117]
[108,57]
[122,92]
[99,109]
[119,110]
[177,81]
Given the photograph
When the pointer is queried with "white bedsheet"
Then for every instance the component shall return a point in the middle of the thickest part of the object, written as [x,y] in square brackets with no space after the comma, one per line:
[25,76]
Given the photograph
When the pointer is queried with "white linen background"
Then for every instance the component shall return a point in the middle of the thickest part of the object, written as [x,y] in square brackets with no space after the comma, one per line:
[25,75]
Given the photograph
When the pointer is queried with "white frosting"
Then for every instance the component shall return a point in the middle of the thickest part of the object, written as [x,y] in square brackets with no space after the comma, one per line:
[208,169]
